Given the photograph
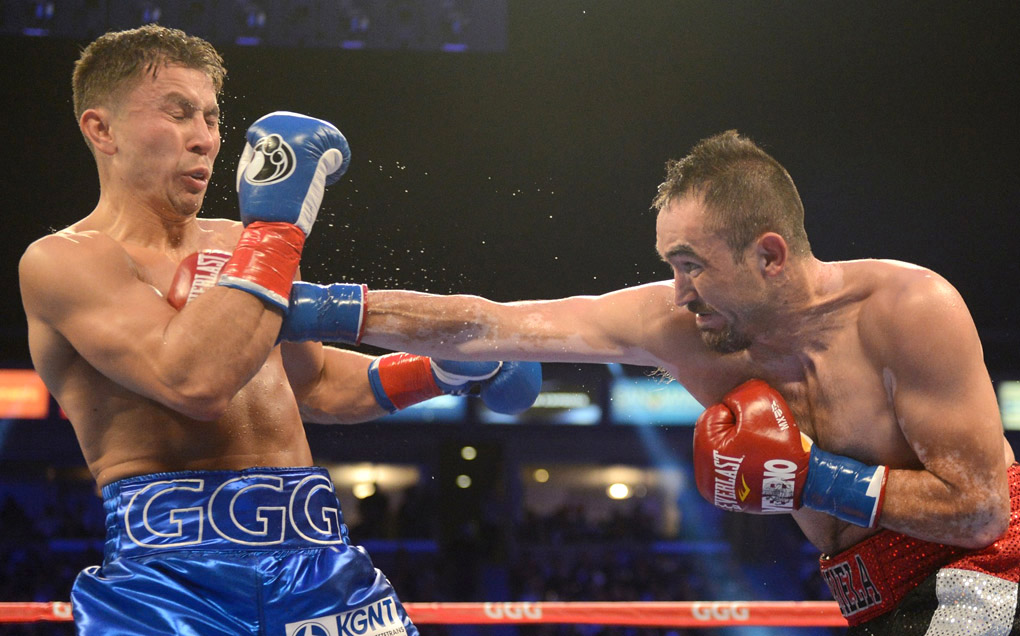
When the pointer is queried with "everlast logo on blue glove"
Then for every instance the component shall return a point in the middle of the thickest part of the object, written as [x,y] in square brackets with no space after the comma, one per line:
[272,161]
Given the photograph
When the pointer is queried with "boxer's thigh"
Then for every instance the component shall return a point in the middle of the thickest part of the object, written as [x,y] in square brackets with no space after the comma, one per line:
[184,594]
[334,591]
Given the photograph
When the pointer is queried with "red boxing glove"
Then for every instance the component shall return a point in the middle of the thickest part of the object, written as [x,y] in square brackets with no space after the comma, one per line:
[749,454]
[265,262]
[196,273]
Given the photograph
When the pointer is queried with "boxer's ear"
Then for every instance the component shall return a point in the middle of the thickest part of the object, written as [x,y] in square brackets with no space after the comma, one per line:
[771,252]
[95,125]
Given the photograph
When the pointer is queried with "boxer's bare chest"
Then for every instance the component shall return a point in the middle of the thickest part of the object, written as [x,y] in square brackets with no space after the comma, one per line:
[841,397]
[846,406]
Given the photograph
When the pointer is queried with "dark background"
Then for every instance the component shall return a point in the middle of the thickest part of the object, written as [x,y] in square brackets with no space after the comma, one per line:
[528,173]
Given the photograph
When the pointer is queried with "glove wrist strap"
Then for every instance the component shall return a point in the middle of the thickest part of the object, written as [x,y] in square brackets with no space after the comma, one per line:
[325,313]
[399,380]
[265,262]
[845,488]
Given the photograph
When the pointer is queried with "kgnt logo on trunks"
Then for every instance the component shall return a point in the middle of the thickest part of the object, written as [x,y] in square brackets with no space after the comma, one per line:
[272,161]
[310,629]
[378,619]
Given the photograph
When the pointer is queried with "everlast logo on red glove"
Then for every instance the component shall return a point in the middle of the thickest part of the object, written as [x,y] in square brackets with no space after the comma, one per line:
[196,274]
[777,410]
[727,469]
[746,452]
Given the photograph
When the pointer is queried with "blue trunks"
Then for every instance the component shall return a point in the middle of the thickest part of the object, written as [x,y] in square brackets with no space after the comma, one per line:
[263,551]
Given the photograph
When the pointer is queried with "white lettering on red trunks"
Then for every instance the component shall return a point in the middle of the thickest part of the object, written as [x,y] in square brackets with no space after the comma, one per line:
[851,586]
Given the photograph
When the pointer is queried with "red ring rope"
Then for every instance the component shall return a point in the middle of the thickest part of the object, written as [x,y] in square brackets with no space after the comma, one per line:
[643,614]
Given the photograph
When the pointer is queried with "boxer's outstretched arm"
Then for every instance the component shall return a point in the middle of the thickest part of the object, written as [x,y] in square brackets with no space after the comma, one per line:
[947,410]
[84,287]
[627,326]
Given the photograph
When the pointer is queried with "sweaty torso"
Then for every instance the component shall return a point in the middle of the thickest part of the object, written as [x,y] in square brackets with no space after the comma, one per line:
[841,396]
[122,433]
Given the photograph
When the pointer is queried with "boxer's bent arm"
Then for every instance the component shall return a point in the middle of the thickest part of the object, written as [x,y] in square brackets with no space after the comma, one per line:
[331,385]
[947,410]
[626,326]
[193,361]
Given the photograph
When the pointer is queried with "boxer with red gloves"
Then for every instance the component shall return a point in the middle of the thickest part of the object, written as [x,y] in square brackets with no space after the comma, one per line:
[750,456]
[881,359]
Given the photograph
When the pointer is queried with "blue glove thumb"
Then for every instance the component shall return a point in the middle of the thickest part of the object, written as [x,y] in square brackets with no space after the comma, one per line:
[514,389]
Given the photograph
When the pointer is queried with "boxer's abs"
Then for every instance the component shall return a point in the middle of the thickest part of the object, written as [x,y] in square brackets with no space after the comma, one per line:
[123,434]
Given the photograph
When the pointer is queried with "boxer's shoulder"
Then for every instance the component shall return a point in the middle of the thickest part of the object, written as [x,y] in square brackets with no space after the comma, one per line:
[61,253]
[895,289]
[905,307]
[69,268]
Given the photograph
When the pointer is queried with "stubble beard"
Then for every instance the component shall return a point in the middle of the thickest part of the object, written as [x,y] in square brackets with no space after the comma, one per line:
[726,340]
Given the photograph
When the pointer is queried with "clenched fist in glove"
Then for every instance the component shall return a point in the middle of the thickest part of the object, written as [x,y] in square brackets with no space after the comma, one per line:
[287,162]
[750,456]
[401,379]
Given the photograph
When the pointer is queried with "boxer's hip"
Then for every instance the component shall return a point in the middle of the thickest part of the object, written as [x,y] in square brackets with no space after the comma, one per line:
[253,509]
[890,570]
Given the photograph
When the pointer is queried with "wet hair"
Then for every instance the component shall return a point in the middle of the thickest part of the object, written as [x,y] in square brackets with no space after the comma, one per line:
[746,192]
[116,60]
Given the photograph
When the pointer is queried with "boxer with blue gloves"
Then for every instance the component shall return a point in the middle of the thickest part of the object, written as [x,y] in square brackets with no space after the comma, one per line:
[191,413]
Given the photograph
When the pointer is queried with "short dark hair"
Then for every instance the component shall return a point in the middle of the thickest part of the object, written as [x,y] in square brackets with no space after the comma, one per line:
[746,191]
[119,58]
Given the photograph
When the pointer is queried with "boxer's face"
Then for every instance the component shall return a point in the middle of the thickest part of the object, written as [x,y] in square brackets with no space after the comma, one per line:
[167,137]
[726,297]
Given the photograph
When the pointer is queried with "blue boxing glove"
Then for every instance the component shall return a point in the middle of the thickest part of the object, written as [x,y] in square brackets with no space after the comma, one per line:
[288,161]
[399,380]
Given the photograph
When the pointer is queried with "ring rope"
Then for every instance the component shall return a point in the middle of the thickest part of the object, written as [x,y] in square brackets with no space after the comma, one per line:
[637,614]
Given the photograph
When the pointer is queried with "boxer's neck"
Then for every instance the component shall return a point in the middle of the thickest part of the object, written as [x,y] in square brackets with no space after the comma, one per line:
[808,305]
[142,226]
